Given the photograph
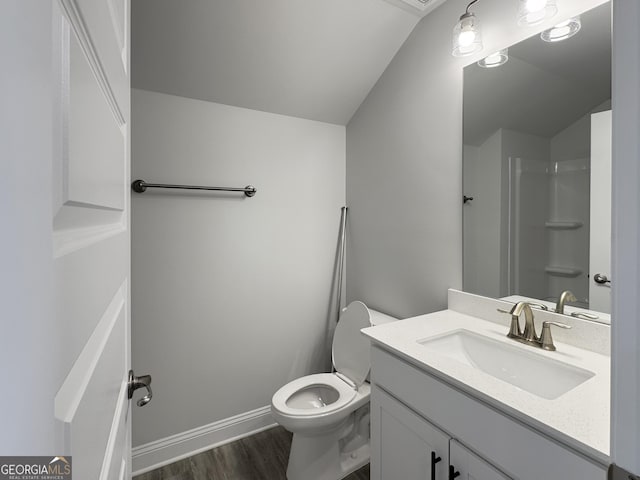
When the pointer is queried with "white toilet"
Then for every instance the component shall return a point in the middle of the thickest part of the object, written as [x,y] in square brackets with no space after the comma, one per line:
[328,413]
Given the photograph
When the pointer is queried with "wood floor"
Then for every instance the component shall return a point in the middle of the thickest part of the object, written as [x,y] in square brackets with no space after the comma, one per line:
[262,456]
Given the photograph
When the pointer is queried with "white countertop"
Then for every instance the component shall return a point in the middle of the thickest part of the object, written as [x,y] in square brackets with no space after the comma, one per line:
[578,418]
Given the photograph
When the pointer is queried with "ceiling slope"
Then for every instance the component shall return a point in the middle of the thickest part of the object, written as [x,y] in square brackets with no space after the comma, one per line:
[311,59]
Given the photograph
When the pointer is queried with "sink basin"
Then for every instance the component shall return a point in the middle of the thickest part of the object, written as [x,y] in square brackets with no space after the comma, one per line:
[530,371]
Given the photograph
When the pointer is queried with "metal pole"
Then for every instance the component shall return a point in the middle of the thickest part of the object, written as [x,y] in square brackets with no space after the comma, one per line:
[341,258]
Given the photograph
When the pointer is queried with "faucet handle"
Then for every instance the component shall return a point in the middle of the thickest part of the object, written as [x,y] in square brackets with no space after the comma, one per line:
[539,306]
[514,330]
[588,316]
[546,339]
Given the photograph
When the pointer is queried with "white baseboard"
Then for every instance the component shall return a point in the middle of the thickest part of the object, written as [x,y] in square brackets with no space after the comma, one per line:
[182,445]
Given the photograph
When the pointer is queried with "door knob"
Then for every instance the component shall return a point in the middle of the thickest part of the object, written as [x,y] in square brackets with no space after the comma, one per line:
[139,382]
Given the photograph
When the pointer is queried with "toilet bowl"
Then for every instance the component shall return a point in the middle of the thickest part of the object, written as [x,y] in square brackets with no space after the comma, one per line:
[328,413]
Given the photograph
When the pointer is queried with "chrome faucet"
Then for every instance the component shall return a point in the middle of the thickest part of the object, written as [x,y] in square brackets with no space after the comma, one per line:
[529,336]
[566,296]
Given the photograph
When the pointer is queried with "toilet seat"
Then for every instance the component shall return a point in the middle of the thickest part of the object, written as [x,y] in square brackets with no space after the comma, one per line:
[350,350]
[328,413]
[350,356]
[346,394]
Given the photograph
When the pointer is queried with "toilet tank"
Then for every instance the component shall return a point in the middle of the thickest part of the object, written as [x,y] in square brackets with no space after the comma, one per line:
[379,318]
[350,349]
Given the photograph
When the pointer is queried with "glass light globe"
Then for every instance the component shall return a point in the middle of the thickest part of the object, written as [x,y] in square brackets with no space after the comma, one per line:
[467,38]
[533,12]
[495,59]
[535,5]
[562,31]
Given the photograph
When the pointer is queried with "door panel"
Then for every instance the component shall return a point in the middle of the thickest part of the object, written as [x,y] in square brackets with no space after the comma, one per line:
[91,149]
[405,443]
[91,240]
[98,26]
[96,159]
[600,215]
[93,391]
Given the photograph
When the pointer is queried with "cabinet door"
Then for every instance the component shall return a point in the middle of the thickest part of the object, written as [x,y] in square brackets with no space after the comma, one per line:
[470,466]
[404,445]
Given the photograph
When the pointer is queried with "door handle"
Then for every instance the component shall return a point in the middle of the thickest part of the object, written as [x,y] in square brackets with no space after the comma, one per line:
[139,382]
[601,279]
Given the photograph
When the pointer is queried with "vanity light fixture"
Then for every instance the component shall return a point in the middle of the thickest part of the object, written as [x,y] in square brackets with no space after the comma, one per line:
[533,12]
[562,31]
[467,38]
[495,59]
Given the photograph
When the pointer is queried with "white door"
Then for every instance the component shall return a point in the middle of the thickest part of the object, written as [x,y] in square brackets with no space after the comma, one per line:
[600,216]
[468,466]
[65,246]
[404,445]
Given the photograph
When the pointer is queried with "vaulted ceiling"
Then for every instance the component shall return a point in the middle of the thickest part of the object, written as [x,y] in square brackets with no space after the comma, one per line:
[315,59]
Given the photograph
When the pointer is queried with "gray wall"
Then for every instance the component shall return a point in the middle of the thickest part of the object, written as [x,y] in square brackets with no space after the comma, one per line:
[231,295]
[404,163]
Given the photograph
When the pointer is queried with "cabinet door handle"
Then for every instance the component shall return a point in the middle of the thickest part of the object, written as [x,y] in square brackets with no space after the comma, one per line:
[434,460]
[452,472]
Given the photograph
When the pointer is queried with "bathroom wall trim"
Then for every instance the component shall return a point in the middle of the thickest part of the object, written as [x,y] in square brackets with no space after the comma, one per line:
[182,445]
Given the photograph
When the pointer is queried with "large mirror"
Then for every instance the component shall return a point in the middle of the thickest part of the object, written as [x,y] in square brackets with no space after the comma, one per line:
[536,170]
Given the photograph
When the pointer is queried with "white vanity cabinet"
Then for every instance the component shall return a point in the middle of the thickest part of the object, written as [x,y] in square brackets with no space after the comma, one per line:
[470,466]
[415,414]
[408,447]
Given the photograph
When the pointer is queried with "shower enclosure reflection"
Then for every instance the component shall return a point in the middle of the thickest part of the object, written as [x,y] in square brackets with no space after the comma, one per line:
[535,131]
